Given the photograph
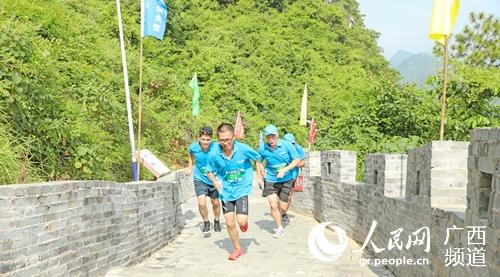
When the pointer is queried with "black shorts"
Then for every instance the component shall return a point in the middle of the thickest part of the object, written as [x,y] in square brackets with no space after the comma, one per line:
[281,189]
[239,205]
[201,188]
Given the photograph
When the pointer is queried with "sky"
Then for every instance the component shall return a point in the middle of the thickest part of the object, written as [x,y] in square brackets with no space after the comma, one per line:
[404,24]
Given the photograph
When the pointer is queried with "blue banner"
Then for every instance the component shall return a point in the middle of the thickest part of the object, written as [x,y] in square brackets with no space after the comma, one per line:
[155,18]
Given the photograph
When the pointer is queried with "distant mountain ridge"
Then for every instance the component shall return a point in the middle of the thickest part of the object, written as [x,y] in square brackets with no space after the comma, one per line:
[414,68]
[399,57]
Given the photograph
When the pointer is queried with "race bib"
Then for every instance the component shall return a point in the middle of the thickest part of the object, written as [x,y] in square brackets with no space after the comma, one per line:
[234,176]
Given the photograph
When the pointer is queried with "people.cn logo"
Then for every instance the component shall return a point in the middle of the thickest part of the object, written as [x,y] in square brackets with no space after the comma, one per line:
[321,248]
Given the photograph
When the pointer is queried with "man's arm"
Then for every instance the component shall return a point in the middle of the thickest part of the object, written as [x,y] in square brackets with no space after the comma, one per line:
[189,169]
[211,167]
[213,180]
[260,173]
[285,169]
[302,156]
[301,164]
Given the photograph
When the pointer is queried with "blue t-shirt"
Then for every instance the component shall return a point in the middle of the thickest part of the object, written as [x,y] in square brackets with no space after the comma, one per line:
[282,155]
[201,161]
[236,172]
[302,156]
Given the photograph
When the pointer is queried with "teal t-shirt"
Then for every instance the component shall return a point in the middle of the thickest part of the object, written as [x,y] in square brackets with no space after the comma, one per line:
[235,172]
[201,161]
[281,156]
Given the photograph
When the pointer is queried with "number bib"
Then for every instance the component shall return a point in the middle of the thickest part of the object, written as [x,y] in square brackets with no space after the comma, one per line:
[234,176]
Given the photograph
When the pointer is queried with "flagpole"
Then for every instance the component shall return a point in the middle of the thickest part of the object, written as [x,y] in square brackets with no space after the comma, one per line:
[127,92]
[445,83]
[140,94]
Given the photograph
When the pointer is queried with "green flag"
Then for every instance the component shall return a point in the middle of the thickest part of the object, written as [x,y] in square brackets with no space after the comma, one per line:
[196,95]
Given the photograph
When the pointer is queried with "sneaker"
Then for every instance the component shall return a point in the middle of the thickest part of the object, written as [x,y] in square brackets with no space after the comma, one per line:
[285,219]
[206,227]
[236,254]
[244,228]
[279,232]
[217,226]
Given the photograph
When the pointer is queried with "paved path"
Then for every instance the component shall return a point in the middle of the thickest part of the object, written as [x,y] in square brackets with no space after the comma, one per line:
[195,254]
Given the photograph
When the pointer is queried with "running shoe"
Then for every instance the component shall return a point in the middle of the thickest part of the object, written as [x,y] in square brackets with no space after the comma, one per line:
[244,228]
[279,232]
[217,226]
[206,227]
[285,219]
[236,254]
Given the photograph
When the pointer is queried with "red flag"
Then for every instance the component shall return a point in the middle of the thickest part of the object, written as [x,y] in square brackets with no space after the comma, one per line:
[312,132]
[239,132]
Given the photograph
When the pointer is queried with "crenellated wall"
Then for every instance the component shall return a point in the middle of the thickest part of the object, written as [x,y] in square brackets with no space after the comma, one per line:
[440,185]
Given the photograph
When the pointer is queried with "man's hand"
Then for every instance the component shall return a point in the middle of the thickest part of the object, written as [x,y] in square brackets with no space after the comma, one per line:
[188,171]
[260,182]
[281,173]
[217,185]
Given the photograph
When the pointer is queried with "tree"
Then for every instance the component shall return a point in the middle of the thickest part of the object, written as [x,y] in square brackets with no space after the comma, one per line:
[478,43]
[474,77]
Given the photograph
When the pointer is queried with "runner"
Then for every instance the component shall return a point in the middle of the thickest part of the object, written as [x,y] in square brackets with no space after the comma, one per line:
[281,158]
[289,137]
[230,170]
[198,155]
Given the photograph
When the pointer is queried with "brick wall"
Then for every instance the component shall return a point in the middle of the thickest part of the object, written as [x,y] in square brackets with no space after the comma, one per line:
[389,196]
[84,227]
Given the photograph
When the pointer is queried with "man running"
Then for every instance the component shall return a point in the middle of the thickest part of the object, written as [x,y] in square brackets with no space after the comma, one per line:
[198,155]
[230,170]
[281,158]
[290,138]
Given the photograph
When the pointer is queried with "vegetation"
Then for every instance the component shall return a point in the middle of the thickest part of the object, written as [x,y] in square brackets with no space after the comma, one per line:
[62,105]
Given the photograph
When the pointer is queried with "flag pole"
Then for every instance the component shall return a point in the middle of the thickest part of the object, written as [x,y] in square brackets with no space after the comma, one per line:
[445,83]
[127,93]
[140,94]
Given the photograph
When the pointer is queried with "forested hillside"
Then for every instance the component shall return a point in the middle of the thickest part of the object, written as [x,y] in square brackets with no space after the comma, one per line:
[62,102]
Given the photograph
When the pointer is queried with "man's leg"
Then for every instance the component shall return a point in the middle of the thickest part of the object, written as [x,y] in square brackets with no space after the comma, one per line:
[202,190]
[231,229]
[202,207]
[283,206]
[242,213]
[214,197]
[285,197]
[229,215]
[216,208]
[275,212]
[288,203]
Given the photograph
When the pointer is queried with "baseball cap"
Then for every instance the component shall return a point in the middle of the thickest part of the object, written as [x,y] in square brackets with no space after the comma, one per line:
[270,130]
[289,137]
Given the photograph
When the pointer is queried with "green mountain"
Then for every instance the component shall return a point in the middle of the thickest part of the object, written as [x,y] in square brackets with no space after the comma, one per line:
[399,57]
[415,68]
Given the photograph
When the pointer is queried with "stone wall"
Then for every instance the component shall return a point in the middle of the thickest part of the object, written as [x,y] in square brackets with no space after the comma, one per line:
[186,186]
[389,196]
[83,228]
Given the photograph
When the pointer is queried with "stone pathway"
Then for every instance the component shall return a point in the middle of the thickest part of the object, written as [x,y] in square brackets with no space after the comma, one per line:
[193,253]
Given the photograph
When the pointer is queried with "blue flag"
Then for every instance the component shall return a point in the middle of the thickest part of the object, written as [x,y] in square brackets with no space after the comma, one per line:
[154,18]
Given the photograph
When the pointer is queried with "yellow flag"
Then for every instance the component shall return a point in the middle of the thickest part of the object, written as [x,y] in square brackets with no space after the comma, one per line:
[444,14]
[303,108]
